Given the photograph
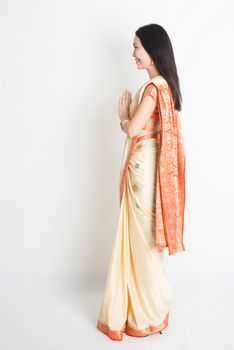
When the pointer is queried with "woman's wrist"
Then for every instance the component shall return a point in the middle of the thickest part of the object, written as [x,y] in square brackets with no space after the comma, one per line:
[123,123]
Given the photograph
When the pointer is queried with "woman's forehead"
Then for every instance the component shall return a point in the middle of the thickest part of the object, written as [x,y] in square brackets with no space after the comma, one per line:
[136,40]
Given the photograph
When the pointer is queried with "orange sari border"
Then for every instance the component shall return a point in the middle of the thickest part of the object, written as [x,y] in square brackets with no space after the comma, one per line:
[114,335]
[130,330]
[148,136]
[146,331]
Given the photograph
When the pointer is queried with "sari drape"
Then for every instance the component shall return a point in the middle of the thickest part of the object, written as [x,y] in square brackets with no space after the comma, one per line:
[170,187]
[138,296]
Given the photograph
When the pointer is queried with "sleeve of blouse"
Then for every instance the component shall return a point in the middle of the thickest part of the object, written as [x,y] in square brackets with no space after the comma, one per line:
[151,90]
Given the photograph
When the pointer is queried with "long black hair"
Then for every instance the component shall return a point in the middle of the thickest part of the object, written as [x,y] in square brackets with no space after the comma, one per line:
[157,43]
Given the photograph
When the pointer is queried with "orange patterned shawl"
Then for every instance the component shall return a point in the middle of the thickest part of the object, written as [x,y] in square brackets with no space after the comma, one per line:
[170,172]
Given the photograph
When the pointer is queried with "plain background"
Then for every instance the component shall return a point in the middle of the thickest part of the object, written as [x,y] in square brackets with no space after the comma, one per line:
[63,66]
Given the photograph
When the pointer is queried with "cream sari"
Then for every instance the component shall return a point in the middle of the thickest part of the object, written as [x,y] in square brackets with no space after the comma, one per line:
[138,296]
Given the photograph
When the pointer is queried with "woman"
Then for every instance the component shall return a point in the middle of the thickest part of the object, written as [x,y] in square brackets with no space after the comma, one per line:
[138,296]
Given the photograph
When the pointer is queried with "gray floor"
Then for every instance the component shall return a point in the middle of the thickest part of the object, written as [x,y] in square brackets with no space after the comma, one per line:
[54,313]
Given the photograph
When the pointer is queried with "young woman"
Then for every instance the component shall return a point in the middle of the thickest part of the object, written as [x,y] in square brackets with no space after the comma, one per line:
[138,295]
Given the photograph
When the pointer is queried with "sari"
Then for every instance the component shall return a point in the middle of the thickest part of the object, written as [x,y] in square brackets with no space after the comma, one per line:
[138,295]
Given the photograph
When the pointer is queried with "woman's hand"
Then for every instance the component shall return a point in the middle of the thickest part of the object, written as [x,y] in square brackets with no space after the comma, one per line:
[124,103]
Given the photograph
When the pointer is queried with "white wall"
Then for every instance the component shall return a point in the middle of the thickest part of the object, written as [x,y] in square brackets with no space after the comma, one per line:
[63,66]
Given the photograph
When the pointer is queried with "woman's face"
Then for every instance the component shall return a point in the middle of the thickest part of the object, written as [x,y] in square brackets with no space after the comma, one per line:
[143,60]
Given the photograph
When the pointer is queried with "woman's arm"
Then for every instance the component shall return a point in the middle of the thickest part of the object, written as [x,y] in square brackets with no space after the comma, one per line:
[141,115]
[133,126]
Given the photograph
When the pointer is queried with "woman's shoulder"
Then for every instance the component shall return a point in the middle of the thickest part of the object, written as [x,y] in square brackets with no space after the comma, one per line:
[150,90]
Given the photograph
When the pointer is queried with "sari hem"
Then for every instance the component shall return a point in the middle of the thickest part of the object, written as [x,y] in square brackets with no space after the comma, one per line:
[112,334]
[131,330]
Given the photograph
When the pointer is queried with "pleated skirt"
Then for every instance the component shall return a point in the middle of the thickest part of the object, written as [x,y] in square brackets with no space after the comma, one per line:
[137,296]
